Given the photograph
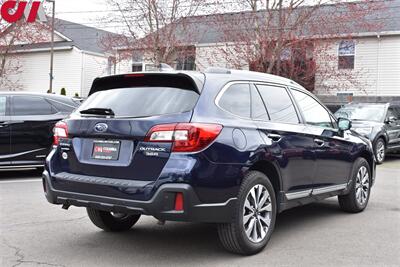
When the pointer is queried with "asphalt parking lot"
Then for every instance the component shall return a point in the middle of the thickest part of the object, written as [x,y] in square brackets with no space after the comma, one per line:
[35,233]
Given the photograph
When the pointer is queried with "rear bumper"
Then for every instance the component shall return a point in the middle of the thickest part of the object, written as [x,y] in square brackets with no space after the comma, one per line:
[161,205]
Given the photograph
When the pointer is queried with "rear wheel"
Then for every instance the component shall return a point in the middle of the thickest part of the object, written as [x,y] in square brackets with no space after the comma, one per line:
[112,222]
[357,199]
[254,219]
[380,151]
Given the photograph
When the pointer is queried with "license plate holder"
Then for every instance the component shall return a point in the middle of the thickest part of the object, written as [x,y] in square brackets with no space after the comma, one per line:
[106,150]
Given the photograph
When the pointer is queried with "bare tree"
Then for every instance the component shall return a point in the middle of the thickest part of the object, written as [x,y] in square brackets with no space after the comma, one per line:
[12,37]
[287,37]
[155,28]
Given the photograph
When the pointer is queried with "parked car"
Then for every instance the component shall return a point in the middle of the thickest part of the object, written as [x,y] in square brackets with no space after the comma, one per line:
[228,147]
[378,122]
[26,127]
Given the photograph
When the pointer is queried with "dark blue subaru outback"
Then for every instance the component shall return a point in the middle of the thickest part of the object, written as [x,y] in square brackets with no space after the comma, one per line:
[229,147]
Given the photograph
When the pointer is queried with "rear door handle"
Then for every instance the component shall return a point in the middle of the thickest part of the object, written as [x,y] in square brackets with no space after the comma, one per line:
[275,137]
[319,142]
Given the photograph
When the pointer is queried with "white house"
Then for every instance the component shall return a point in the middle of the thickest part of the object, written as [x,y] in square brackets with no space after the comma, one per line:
[78,59]
[371,57]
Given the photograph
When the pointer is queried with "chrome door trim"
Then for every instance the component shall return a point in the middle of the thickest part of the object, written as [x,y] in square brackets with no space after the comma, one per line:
[327,189]
[21,166]
[298,194]
[21,154]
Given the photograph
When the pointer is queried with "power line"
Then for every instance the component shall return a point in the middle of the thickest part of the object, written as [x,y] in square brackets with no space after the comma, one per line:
[107,25]
[227,3]
[138,9]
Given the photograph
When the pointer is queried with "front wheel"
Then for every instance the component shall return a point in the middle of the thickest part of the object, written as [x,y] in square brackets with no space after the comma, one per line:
[357,199]
[112,222]
[254,219]
[380,151]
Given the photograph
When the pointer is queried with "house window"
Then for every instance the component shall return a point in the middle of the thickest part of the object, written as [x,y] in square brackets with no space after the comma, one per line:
[347,50]
[186,63]
[137,67]
[111,65]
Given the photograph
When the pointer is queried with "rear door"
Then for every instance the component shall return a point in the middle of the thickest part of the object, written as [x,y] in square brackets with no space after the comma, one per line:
[4,131]
[285,138]
[332,152]
[32,120]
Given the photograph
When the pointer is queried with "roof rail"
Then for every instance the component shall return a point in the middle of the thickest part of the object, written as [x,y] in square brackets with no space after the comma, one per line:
[218,70]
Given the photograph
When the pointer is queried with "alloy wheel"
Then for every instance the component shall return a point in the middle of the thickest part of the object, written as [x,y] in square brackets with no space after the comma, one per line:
[362,185]
[257,213]
[380,151]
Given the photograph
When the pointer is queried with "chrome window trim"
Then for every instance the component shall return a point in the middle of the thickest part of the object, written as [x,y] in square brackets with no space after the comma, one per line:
[222,92]
[254,83]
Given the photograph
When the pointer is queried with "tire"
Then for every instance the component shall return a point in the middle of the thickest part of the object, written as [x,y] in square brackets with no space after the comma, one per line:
[111,222]
[380,150]
[233,235]
[357,199]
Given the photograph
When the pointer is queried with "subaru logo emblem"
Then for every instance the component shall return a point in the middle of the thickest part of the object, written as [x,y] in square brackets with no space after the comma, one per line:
[101,127]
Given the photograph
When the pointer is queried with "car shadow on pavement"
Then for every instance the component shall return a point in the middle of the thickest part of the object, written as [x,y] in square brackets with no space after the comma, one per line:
[147,239]
[20,174]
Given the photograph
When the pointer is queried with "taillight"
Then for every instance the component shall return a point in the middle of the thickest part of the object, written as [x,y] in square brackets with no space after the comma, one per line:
[60,130]
[186,137]
[178,202]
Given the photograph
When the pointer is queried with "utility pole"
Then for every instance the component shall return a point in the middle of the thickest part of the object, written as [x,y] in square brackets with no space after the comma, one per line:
[52,46]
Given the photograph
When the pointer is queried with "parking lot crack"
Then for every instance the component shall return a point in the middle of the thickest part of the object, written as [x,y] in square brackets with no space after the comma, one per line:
[44,222]
[20,257]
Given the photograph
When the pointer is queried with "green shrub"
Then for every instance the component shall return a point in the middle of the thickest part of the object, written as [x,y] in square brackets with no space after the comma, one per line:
[63,91]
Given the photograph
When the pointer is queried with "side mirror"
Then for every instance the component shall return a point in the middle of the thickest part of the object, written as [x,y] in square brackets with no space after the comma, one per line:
[344,124]
[391,119]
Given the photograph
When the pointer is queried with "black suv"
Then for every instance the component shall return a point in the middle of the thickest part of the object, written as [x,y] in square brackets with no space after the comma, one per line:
[26,126]
[228,147]
[380,123]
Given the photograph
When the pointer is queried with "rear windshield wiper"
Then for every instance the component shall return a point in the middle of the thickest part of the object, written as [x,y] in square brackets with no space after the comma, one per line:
[98,111]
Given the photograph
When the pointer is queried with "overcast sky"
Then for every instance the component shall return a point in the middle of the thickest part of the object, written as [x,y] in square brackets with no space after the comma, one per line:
[90,12]
[65,10]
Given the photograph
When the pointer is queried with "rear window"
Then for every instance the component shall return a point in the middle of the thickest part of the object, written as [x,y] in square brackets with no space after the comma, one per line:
[142,101]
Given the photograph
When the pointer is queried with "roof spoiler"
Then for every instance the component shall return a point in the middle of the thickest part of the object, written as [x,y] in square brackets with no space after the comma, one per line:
[144,79]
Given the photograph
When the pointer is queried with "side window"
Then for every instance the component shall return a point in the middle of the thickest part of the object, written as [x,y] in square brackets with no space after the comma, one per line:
[3,105]
[397,111]
[393,112]
[61,107]
[258,111]
[236,100]
[279,105]
[31,105]
[313,112]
